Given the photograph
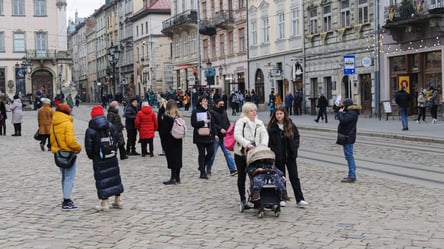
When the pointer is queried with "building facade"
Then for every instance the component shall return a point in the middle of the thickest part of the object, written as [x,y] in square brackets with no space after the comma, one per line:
[33,49]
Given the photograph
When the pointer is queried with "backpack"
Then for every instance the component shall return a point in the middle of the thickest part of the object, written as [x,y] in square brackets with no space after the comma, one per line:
[179,128]
[107,145]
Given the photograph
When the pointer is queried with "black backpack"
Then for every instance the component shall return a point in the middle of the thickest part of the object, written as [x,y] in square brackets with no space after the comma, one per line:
[107,144]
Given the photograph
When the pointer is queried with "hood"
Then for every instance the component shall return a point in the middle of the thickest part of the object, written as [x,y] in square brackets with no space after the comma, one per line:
[112,109]
[147,110]
[60,117]
[354,108]
[98,123]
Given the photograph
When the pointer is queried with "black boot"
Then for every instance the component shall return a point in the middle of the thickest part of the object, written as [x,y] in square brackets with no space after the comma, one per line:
[122,152]
[172,180]
[203,175]
[177,176]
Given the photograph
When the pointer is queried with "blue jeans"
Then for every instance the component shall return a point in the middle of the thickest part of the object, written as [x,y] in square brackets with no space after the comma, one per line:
[68,180]
[404,117]
[228,157]
[348,153]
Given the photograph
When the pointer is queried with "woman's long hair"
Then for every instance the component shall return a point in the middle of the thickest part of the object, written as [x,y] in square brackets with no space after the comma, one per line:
[171,109]
[288,125]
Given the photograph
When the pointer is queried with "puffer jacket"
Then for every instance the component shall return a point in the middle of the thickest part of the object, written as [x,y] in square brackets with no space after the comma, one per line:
[106,171]
[114,118]
[348,121]
[63,127]
[44,118]
[17,111]
[146,122]
[247,132]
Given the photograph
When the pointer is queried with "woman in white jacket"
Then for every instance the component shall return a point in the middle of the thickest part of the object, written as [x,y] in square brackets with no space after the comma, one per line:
[17,115]
[249,132]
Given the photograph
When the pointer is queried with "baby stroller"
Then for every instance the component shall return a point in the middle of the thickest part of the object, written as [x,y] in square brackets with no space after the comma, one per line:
[262,157]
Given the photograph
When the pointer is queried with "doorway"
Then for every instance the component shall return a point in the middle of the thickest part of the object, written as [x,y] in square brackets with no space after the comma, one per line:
[366,93]
[42,82]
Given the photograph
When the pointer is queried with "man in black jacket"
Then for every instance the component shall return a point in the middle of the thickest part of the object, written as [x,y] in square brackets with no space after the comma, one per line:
[220,117]
[130,117]
[402,98]
[322,105]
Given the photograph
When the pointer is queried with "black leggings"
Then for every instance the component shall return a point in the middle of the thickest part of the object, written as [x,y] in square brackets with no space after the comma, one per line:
[241,164]
[204,158]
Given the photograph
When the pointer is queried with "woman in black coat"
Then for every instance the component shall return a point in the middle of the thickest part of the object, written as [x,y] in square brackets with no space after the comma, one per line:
[114,118]
[106,168]
[171,146]
[201,118]
[284,142]
[3,118]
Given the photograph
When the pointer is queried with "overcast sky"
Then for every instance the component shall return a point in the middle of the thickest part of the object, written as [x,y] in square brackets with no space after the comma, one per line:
[84,7]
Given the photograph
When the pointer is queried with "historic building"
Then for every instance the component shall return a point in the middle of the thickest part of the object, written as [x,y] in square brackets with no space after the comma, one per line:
[77,47]
[33,49]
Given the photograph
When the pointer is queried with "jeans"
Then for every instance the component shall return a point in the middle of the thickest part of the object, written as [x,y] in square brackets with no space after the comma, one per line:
[227,154]
[348,153]
[68,180]
[404,117]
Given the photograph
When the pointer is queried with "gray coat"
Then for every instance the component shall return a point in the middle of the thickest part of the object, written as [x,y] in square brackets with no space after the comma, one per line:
[16,109]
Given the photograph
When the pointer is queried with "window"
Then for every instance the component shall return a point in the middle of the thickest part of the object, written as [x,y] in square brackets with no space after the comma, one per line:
[294,22]
[177,44]
[146,27]
[345,13]
[2,42]
[41,41]
[185,44]
[141,29]
[313,21]
[222,44]
[205,49]
[204,11]
[265,30]
[363,11]
[19,42]
[213,47]
[137,31]
[253,33]
[230,42]
[242,47]
[194,42]
[281,26]
[40,7]
[1,7]
[242,4]
[327,18]
[18,7]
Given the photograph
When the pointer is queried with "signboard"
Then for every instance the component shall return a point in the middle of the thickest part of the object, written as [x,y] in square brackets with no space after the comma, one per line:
[349,64]
[191,79]
[366,62]
[275,72]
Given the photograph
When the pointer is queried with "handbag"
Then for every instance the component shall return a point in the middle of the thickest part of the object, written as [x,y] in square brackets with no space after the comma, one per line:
[204,131]
[341,139]
[63,159]
[229,140]
[37,135]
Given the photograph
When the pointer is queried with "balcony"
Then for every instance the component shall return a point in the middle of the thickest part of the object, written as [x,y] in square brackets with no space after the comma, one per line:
[179,22]
[409,22]
[47,54]
[224,19]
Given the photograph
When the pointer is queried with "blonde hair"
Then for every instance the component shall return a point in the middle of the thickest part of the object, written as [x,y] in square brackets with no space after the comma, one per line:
[144,103]
[248,106]
[172,110]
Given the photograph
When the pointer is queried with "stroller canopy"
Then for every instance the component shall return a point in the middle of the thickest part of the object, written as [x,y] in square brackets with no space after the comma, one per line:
[260,153]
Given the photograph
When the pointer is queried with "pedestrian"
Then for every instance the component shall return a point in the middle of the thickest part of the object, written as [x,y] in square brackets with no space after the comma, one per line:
[271,108]
[146,124]
[289,103]
[203,134]
[234,103]
[277,99]
[298,103]
[3,117]
[63,138]
[249,132]
[284,142]
[69,101]
[130,117]
[422,101]
[77,100]
[44,120]
[101,141]
[222,123]
[114,118]
[322,105]
[402,99]
[434,102]
[173,147]
[348,118]
[16,108]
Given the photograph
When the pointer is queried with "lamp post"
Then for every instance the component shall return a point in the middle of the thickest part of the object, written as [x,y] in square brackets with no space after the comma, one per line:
[113,57]
[21,69]
[209,73]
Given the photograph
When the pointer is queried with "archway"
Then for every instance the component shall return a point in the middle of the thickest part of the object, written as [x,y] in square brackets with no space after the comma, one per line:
[42,83]
[259,86]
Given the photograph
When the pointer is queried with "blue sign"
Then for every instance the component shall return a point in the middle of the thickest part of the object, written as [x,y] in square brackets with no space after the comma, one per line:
[349,64]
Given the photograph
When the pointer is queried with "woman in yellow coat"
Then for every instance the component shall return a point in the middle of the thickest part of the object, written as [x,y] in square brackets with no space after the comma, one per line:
[44,118]
[63,139]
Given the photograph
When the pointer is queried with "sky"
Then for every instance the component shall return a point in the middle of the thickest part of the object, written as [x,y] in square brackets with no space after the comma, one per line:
[84,7]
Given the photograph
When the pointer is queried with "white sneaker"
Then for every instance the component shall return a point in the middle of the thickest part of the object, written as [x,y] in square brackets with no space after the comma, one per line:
[302,204]
[282,204]
[417,121]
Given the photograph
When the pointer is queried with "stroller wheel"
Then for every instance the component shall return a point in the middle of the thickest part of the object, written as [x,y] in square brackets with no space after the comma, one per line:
[260,214]
[277,213]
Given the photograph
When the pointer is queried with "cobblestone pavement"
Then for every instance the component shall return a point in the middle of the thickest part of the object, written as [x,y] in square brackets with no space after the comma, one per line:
[372,213]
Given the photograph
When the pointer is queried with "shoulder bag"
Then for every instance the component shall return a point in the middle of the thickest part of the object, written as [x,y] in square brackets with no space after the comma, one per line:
[229,140]
[342,138]
[63,159]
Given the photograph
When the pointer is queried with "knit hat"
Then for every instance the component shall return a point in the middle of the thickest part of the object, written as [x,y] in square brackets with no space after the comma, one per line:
[217,101]
[97,111]
[45,100]
[114,104]
[347,102]
[64,108]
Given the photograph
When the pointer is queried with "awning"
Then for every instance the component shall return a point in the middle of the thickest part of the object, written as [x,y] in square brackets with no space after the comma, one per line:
[182,67]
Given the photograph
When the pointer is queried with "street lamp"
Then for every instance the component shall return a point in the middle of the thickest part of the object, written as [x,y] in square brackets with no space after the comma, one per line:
[21,69]
[113,57]
[210,73]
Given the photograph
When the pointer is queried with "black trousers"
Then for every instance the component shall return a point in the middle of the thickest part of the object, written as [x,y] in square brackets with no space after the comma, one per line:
[18,129]
[45,137]
[293,176]
[3,127]
[241,165]
[203,157]
[131,142]
[144,143]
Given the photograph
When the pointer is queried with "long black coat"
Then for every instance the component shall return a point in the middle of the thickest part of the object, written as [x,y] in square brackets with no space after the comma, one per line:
[106,171]
[284,148]
[172,147]
[221,121]
[199,124]
[347,122]
[130,117]
[114,118]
